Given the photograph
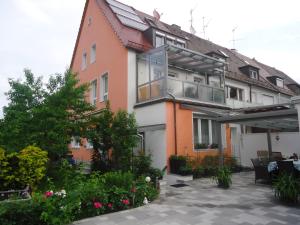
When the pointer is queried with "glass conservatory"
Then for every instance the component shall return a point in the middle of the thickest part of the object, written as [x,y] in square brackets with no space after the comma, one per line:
[174,71]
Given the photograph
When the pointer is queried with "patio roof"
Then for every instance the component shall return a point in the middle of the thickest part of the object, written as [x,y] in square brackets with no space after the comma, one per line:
[193,61]
[281,117]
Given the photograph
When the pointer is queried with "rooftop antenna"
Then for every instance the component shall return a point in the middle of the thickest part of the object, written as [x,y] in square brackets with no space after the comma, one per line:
[233,37]
[156,14]
[204,27]
[192,29]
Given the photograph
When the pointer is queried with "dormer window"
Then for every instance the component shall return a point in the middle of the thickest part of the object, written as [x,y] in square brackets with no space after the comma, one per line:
[253,74]
[161,39]
[279,82]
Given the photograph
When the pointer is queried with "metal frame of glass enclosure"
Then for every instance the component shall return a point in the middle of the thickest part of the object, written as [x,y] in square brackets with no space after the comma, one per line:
[153,81]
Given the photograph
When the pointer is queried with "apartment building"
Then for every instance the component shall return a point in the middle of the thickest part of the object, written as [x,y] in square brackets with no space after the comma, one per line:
[169,78]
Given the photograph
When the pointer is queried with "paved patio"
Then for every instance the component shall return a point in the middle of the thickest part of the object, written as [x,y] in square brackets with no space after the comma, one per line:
[203,203]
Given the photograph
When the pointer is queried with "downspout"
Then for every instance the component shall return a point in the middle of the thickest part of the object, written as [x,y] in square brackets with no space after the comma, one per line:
[175,121]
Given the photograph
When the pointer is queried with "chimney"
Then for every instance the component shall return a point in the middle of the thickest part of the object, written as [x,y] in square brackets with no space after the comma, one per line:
[175,26]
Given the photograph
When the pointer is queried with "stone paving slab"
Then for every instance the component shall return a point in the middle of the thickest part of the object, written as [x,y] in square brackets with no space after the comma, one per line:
[202,203]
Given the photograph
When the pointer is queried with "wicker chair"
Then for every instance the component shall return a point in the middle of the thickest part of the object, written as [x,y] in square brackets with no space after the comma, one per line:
[277,156]
[261,171]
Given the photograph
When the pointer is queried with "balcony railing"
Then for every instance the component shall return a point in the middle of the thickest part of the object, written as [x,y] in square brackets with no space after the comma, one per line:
[153,81]
[196,91]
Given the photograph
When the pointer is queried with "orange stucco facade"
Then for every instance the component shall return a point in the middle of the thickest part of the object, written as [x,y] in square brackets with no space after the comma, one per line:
[111,58]
[184,124]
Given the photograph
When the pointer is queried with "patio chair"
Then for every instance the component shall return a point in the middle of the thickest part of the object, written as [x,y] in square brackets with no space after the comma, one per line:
[286,167]
[276,156]
[261,170]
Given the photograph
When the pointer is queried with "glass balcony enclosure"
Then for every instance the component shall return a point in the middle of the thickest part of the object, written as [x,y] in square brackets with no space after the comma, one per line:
[180,72]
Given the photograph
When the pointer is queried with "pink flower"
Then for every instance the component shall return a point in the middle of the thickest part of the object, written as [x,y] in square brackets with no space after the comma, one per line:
[125,202]
[109,205]
[48,194]
[97,205]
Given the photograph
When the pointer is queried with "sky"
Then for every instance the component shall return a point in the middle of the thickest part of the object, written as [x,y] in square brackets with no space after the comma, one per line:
[40,34]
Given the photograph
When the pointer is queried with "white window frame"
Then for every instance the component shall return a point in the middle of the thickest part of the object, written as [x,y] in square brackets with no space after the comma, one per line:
[210,132]
[103,94]
[93,92]
[93,53]
[84,61]
[239,98]
[254,74]
[281,82]
[74,143]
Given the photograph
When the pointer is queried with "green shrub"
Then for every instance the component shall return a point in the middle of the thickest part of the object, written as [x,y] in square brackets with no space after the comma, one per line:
[186,170]
[118,179]
[223,177]
[176,162]
[198,172]
[287,188]
[22,212]
[200,146]
[32,165]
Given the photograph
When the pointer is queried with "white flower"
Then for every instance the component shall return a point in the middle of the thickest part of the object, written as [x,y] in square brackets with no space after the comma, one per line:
[63,193]
[147,179]
[145,202]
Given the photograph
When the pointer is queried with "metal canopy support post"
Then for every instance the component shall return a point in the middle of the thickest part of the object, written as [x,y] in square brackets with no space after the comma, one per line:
[269,143]
[296,102]
[220,147]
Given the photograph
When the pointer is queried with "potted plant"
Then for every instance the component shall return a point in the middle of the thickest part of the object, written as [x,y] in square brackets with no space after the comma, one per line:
[287,188]
[223,177]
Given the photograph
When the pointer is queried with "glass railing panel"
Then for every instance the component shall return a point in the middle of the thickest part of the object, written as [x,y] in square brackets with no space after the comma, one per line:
[205,93]
[218,95]
[144,92]
[190,90]
[157,89]
[175,87]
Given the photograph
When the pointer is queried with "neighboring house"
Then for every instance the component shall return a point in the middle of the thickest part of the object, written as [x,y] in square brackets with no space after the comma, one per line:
[165,75]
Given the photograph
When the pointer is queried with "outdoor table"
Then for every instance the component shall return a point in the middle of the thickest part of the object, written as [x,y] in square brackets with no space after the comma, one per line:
[273,165]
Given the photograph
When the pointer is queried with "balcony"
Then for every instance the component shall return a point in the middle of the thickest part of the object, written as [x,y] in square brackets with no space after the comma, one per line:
[186,74]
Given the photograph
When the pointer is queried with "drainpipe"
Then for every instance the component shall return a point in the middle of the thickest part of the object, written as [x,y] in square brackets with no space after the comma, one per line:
[175,121]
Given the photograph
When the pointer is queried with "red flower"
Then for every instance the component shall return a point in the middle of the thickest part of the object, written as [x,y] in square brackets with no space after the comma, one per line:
[133,190]
[48,194]
[125,202]
[97,205]
[109,205]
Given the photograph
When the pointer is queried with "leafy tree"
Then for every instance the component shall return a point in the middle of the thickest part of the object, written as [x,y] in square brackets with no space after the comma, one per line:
[44,115]
[113,136]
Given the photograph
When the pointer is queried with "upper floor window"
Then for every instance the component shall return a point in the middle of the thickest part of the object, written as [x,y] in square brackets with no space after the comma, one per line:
[104,87]
[84,61]
[235,93]
[253,74]
[94,92]
[93,53]
[279,82]
[159,40]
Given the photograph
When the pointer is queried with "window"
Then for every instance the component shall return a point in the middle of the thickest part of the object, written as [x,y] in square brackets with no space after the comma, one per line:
[279,82]
[170,41]
[159,41]
[199,80]
[204,133]
[235,93]
[93,54]
[93,92]
[84,61]
[75,142]
[104,87]
[253,74]
[89,144]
